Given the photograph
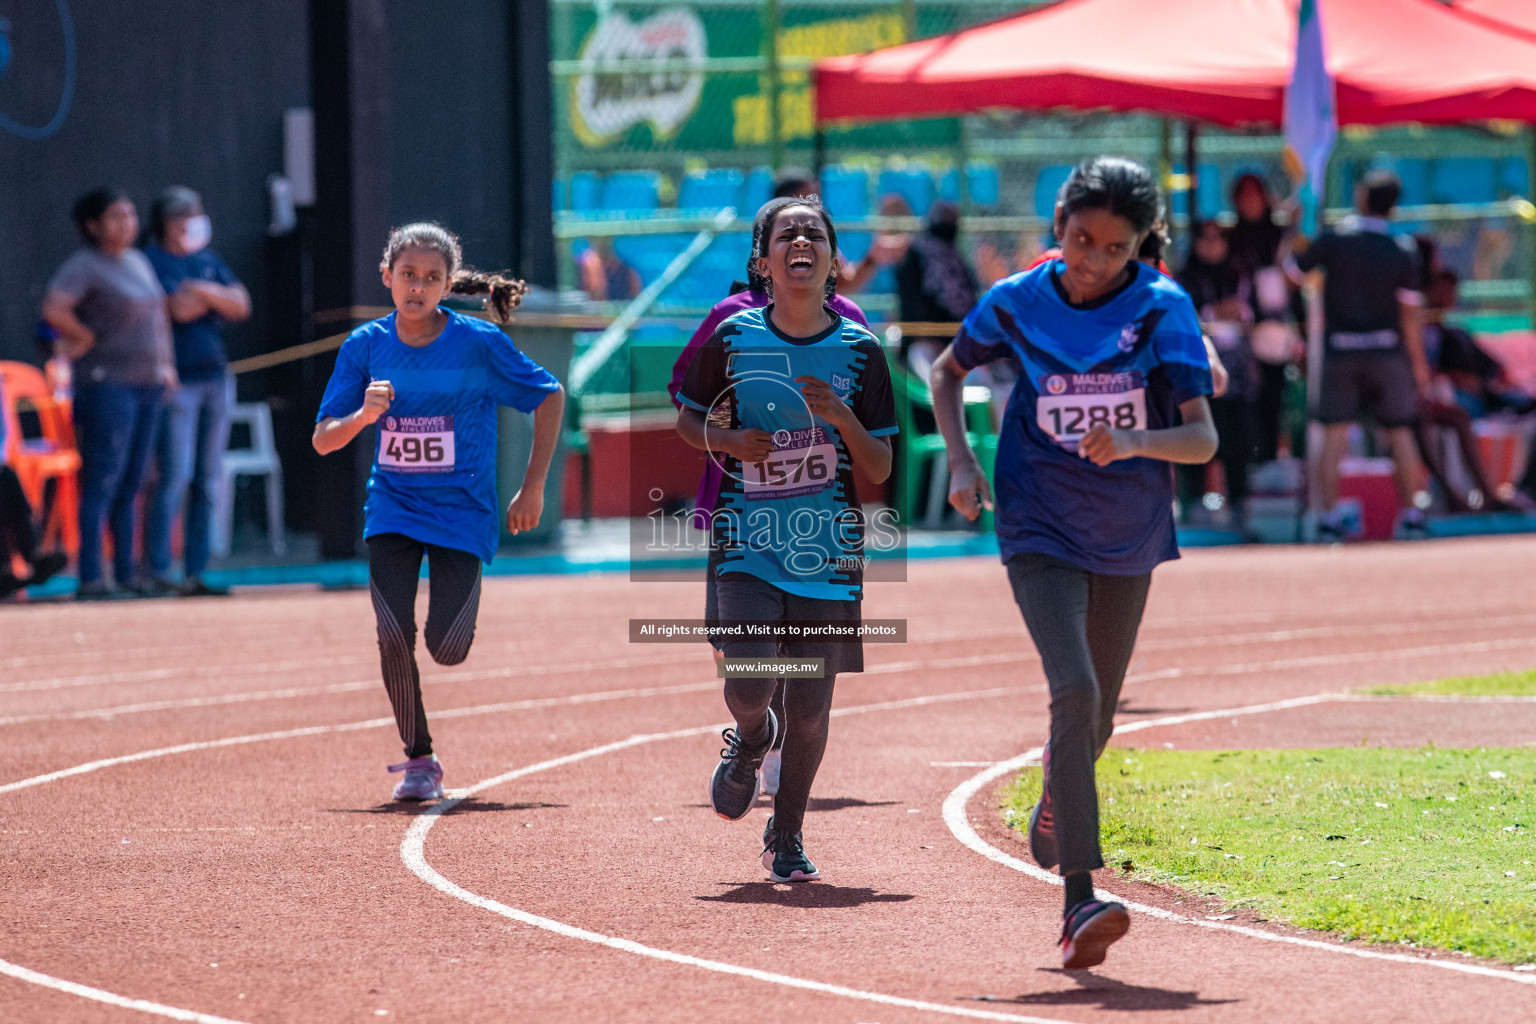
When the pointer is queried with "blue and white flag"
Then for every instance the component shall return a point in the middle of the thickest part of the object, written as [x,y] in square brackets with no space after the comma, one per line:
[1311,116]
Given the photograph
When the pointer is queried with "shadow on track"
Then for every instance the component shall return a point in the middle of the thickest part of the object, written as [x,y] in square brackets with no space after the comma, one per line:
[809,895]
[469,805]
[842,803]
[1108,994]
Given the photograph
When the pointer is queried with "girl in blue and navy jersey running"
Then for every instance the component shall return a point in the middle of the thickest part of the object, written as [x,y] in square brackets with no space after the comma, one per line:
[788,399]
[1113,389]
[431,379]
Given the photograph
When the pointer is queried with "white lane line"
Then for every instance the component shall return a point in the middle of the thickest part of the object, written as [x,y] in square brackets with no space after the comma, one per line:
[1021,657]
[413,855]
[371,684]
[110,998]
[959,824]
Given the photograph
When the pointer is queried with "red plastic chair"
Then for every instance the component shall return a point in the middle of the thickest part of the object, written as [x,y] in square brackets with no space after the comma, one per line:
[51,456]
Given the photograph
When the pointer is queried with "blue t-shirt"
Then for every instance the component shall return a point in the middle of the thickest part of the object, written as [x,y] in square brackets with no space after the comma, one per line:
[434,462]
[794,519]
[1126,360]
[199,343]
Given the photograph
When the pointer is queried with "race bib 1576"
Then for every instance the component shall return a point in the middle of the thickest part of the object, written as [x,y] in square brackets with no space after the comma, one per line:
[1072,404]
[416,444]
[802,462]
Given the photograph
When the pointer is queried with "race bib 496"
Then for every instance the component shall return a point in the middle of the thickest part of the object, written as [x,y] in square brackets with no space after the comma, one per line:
[416,444]
[1072,404]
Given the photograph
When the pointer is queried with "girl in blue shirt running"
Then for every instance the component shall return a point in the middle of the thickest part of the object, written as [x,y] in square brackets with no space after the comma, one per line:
[431,379]
[1111,351]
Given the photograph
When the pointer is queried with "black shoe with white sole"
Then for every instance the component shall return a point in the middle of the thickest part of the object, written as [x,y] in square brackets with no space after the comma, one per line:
[733,787]
[784,856]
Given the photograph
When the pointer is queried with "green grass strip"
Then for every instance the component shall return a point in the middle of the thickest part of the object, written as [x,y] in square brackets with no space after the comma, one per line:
[1502,684]
[1425,847]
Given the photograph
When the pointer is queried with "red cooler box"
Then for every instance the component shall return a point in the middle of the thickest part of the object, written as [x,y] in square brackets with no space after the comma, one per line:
[1369,481]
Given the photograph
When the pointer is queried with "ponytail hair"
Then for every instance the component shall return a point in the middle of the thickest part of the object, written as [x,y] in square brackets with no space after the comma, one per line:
[503,292]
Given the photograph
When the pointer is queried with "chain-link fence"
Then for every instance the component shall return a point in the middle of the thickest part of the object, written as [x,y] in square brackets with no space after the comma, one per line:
[670,112]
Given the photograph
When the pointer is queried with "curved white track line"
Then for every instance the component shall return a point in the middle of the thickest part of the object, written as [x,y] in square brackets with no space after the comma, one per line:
[110,998]
[175,1013]
[959,824]
[413,855]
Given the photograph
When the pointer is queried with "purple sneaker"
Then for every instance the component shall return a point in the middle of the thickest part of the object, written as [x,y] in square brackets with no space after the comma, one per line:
[423,779]
[1042,823]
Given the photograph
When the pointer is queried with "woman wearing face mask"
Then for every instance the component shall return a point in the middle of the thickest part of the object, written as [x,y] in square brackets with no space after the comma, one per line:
[194,426]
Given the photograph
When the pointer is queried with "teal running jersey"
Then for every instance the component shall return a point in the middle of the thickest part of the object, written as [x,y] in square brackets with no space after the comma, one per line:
[794,519]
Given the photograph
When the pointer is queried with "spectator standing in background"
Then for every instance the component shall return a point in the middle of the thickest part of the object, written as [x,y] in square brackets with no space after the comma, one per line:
[1257,243]
[109,310]
[1373,349]
[194,425]
[1215,285]
[1464,375]
[934,284]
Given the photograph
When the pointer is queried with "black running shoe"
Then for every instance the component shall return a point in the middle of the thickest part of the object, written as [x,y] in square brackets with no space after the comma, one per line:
[784,856]
[733,788]
[46,567]
[1042,823]
[1088,930]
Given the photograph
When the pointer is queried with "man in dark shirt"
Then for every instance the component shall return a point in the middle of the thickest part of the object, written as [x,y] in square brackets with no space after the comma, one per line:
[1373,351]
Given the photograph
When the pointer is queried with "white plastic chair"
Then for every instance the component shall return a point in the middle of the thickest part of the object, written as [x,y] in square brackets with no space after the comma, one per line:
[260,459]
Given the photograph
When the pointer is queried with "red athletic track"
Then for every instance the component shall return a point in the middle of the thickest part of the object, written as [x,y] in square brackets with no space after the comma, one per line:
[281,862]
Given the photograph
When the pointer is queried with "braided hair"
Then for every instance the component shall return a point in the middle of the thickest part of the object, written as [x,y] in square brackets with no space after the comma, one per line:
[503,292]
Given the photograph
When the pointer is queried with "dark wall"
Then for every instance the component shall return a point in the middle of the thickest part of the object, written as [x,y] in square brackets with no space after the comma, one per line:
[451,143]
[169,92]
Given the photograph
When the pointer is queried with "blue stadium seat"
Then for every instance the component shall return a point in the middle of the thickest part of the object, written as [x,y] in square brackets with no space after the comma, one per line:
[712,189]
[1463,179]
[982,181]
[1211,198]
[1514,178]
[949,186]
[631,191]
[755,191]
[915,186]
[558,195]
[845,191]
[1047,183]
[585,192]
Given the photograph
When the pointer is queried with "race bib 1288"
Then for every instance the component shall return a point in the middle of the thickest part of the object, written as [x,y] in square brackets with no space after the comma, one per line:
[416,444]
[1072,404]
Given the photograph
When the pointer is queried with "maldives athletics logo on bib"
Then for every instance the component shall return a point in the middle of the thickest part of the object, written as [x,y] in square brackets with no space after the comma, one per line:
[1055,384]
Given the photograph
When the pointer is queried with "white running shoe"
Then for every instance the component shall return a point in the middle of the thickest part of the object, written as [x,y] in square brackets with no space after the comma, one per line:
[773,761]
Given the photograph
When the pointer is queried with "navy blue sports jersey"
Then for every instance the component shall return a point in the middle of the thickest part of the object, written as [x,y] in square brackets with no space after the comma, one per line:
[794,519]
[434,463]
[1126,361]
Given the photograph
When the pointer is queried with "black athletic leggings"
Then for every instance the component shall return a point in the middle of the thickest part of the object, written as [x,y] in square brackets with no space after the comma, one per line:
[1084,625]
[394,568]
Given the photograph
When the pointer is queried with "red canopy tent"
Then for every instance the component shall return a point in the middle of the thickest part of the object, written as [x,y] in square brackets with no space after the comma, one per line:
[1226,63]
[1519,14]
